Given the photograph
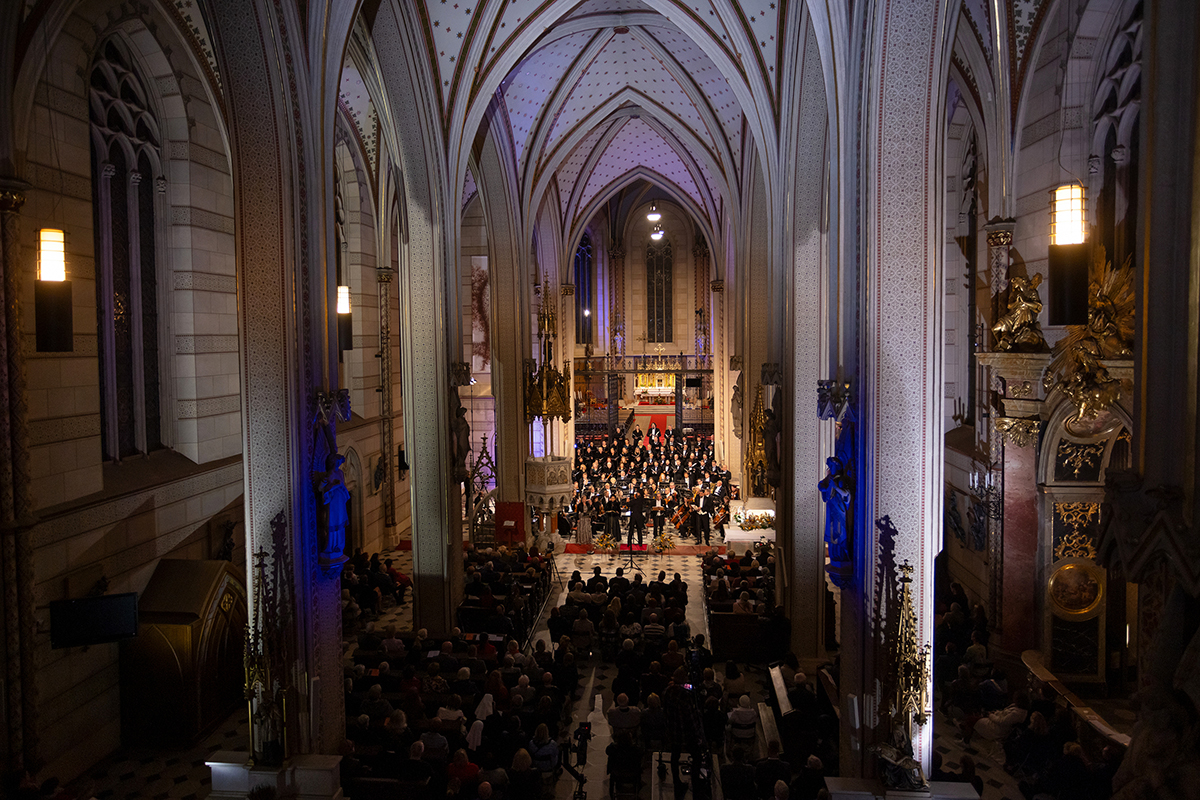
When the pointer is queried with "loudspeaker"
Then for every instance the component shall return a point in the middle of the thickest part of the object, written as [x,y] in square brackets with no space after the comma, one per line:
[54,318]
[1068,268]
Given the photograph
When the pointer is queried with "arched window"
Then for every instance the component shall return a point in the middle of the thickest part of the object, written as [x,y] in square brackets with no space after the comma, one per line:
[658,290]
[125,168]
[584,300]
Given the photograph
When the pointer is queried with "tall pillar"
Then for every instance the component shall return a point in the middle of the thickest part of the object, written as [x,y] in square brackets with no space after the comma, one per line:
[899,379]
[16,499]
[287,336]
[387,427]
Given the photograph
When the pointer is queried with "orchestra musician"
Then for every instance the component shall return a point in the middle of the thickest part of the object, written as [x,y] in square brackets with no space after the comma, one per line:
[658,515]
[612,515]
[703,515]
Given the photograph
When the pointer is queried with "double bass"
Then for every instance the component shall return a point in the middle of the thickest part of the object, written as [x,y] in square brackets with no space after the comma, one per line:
[681,515]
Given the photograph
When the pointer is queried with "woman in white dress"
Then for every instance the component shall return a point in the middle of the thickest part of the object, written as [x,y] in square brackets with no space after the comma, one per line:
[583,530]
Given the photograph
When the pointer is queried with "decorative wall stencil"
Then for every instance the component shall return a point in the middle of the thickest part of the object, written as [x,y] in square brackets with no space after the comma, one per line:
[637,144]
[357,103]
[1075,527]
[187,14]
[1082,461]
[761,20]
[708,77]
[625,62]
[469,189]
[528,88]
[978,15]
[1022,15]
[569,170]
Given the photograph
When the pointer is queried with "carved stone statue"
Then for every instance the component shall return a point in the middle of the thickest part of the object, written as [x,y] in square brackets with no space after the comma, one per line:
[835,491]
[735,407]
[333,496]
[460,430]
[897,767]
[1018,330]
[771,446]
[758,479]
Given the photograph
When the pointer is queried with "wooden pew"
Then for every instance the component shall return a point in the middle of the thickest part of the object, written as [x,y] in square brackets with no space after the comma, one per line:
[781,692]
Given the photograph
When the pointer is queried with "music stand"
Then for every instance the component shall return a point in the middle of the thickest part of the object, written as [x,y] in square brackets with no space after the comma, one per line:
[632,564]
[554,571]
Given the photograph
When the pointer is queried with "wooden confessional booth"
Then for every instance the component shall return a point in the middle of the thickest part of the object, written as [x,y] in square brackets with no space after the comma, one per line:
[183,673]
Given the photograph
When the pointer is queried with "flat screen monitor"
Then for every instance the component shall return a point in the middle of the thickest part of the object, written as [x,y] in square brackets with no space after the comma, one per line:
[93,620]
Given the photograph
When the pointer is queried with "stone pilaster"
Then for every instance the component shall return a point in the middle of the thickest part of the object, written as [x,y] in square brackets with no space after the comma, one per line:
[16,500]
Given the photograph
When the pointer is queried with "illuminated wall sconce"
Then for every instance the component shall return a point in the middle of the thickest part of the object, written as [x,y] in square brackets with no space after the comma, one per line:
[345,319]
[653,215]
[401,464]
[52,306]
[1068,257]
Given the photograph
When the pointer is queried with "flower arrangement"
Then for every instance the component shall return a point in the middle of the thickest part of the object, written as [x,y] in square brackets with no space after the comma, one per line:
[757,522]
[606,541]
[663,542]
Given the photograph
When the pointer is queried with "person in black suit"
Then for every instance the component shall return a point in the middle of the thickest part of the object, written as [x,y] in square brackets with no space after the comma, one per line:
[704,511]
[658,514]
[637,516]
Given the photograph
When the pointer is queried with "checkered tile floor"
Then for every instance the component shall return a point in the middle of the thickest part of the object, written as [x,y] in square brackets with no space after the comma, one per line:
[989,762]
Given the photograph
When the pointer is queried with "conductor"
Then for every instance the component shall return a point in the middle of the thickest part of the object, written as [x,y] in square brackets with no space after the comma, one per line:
[637,516]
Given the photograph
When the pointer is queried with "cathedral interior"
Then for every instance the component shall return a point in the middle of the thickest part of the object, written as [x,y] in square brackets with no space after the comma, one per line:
[286,281]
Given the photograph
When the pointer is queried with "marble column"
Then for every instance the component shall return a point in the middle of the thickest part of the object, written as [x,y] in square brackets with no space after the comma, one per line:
[1018,557]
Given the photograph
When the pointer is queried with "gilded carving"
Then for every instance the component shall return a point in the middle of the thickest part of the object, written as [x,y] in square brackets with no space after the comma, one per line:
[755,465]
[1018,330]
[1021,432]
[1078,457]
[1022,389]
[1077,367]
[1001,238]
[1077,541]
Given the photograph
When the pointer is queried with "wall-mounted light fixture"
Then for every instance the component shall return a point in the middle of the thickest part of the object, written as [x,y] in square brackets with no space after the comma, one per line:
[587,312]
[1068,256]
[657,233]
[653,214]
[52,305]
[401,464]
[345,319]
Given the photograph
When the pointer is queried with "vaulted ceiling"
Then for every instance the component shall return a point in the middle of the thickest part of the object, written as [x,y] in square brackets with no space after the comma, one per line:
[599,93]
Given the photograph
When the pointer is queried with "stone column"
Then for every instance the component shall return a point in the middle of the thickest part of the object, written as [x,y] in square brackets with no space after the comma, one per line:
[387,432]
[16,500]
[720,363]
[616,274]
[900,348]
